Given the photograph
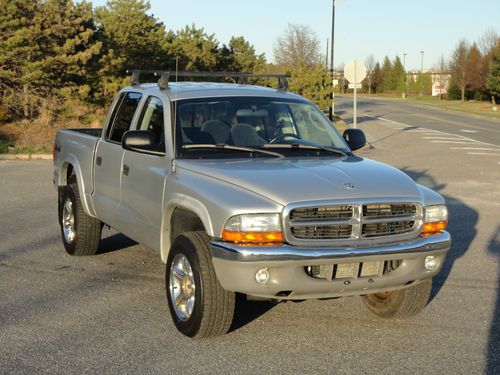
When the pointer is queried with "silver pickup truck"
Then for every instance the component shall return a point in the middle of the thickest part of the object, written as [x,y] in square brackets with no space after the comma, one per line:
[251,190]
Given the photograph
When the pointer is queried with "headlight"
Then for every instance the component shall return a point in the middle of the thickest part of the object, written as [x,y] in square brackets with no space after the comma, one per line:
[253,228]
[436,220]
[436,213]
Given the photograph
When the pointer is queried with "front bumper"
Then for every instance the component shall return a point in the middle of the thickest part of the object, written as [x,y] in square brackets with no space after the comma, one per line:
[236,266]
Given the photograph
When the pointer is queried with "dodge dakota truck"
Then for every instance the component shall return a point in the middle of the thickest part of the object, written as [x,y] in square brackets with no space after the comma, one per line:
[251,190]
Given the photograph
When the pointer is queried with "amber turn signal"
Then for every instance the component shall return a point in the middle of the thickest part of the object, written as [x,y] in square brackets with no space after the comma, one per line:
[252,237]
[430,229]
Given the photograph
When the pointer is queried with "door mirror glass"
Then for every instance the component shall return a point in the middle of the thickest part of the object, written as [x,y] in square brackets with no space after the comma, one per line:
[355,138]
[140,141]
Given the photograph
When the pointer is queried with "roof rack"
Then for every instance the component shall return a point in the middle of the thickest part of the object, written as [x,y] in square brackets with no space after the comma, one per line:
[243,78]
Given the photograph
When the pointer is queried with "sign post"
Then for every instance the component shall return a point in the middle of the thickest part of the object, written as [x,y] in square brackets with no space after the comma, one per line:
[355,73]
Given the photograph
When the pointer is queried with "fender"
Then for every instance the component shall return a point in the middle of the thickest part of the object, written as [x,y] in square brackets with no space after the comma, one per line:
[178,200]
[84,191]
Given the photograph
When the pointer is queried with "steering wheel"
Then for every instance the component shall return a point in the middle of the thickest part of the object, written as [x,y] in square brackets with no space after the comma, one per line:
[281,136]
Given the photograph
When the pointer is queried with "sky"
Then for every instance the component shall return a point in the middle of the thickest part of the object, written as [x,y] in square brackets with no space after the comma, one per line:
[362,27]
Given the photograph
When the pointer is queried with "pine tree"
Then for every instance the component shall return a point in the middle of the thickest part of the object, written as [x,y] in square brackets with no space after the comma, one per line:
[494,76]
[377,78]
[386,83]
[244,57]
[133,39]
[314,83]
[398,75]
[41,59]
[196,50]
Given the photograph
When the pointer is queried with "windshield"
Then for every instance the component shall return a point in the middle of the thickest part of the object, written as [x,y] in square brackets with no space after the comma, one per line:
[285,126]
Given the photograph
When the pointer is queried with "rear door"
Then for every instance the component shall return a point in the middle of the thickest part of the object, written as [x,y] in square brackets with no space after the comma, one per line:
[143,184]
[108,159]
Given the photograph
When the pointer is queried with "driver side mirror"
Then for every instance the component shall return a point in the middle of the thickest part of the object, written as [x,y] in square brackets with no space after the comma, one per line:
[140,141]
[355,138]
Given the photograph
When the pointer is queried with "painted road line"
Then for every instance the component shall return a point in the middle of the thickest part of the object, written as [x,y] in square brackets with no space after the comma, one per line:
[445,138]
[457,142]
[475,148]
[470,139]
[468,131]
[483,153]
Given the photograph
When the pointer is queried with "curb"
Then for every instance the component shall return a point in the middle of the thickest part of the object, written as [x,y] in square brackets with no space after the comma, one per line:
[25,157]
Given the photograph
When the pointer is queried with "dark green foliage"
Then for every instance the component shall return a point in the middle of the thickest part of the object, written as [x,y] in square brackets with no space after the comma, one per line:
[44,61]
[314,83]
[377,78]
[132,39]
[494,75]
[60,58]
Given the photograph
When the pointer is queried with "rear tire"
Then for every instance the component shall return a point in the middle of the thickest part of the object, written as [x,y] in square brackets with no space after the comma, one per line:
[81,233]
[198,304]
[400,303]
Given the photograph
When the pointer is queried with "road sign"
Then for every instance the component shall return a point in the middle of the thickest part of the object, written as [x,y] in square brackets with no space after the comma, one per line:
[355,71]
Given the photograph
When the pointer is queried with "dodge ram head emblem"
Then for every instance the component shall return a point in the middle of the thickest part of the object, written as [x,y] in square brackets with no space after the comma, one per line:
[349,186]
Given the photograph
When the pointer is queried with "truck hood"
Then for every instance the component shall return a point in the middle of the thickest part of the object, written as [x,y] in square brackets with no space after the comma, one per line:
[309,179]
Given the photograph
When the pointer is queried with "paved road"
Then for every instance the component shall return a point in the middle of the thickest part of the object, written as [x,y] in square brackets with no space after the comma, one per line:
[108,314]
[478,128]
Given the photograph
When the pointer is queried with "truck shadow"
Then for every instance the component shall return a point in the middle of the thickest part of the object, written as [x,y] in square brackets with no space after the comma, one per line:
[247,311]
[493,351]
[462,226]
[115,242]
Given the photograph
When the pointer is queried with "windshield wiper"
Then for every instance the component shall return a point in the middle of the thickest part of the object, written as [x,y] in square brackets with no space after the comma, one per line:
[295,146]
[223,146]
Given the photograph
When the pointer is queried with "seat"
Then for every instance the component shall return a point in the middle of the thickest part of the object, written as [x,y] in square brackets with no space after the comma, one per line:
[219,131]
[246,135]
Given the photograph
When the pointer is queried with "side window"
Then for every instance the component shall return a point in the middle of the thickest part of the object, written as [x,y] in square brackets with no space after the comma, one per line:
[112,117]
[124,116]
[152,119]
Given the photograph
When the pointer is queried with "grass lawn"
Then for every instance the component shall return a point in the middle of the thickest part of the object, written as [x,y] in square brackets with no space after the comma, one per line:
[471,106]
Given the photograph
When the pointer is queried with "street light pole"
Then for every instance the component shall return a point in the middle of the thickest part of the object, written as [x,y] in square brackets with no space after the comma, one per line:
[421,73]
[331,59]
[404,78]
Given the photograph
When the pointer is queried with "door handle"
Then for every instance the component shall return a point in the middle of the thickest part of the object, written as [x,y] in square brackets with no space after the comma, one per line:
[125,169]
[98,160]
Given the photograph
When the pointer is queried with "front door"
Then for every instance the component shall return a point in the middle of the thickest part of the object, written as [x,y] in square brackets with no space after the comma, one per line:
[144,182]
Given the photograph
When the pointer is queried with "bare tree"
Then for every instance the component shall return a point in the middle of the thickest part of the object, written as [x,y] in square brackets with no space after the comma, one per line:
[488,41]
[458,66]
[296,46]
[370,65]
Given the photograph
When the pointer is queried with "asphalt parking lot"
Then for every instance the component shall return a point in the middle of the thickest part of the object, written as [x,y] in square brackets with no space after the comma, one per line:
[108,313]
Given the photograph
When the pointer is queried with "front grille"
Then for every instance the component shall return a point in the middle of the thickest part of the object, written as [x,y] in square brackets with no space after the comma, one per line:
[351,222]
[387,229]
[389,210]
[325,232]
[322,213]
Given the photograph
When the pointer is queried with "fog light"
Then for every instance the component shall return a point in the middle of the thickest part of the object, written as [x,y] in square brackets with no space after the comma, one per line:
[262,276]
[431,263]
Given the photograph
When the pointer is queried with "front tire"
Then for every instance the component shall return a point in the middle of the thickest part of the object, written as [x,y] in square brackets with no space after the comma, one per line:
[81,233]
[400,303]
[198,304]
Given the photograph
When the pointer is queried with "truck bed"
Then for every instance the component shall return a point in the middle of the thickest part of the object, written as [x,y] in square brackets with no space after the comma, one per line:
[78,147]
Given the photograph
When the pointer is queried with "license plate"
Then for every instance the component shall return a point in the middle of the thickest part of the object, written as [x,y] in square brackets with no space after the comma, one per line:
[345,271]
[370,269]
